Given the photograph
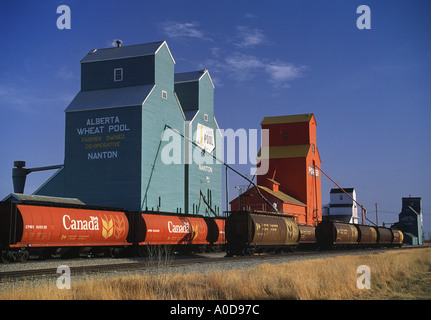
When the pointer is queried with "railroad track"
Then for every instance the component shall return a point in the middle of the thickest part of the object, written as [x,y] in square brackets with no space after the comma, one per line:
[122,266]
[6,276]
[128,266]
[75,270]
[89,269]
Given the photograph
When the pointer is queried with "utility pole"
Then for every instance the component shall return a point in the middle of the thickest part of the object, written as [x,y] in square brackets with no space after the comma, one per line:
[377,219]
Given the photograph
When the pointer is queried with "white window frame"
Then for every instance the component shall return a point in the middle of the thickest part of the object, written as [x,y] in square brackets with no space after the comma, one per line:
[115,74]
[164,95]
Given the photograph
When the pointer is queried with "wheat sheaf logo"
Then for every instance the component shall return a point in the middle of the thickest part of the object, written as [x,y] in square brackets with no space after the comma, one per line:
[113,226]
[107,227]
[119,227]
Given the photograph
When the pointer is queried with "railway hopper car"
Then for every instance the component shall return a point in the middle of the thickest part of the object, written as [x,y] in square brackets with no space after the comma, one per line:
[160,229]
[334,234]
[384,237]
[398,238]
[250,232]
[307,235]
[367,236]
[49,229]
[330,234]
[182,231]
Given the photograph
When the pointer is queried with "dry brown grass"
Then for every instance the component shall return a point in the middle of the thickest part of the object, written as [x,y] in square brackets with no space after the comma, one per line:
[394,275]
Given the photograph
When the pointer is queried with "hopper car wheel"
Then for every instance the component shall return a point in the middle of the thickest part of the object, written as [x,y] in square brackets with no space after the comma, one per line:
[5,256]
[22,255]
[115,252]
[250,251]
[9,256]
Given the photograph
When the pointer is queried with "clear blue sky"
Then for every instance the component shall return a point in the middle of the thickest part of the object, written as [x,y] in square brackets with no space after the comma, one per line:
[370,90]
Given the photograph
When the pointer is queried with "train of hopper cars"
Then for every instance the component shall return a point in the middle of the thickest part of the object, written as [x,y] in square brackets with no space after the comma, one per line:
[251,232]
[69,230]
[50,229]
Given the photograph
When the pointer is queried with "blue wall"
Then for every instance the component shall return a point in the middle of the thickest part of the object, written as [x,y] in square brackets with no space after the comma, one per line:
[100,74]
[202,174]
[162,179]
[103,168]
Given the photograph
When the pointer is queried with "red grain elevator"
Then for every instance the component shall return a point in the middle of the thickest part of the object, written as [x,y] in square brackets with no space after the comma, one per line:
[293,181]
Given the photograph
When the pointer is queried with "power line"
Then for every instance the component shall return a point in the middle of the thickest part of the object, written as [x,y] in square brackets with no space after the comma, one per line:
[392,212]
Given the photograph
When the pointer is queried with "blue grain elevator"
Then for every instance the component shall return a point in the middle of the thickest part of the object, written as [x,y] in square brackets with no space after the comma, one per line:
[124,144]
[411,220]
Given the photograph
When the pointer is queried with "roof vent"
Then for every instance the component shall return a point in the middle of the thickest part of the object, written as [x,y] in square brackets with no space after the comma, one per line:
[118,43]
[92,51]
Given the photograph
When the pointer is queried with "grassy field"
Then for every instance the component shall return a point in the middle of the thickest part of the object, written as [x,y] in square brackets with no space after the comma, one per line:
[394,275]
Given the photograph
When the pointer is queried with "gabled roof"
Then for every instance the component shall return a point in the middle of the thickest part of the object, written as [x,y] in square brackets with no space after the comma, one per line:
[282,196]
[277,194]
[191,76]
[288,119]
[110,98]
[136,50]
